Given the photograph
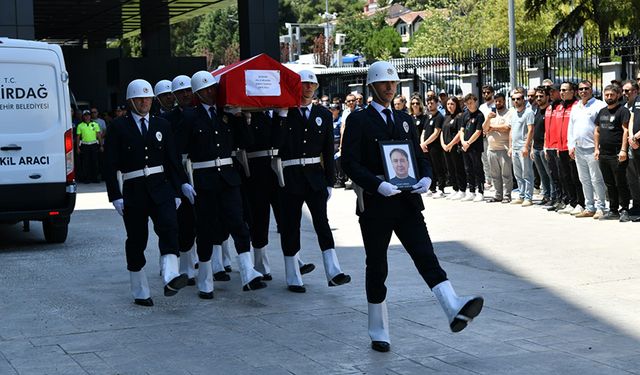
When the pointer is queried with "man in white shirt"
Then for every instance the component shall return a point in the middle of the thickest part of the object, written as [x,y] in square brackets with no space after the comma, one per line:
[581,148]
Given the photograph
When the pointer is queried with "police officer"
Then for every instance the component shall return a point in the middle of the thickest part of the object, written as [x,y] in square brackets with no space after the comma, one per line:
[306,149]
[209,139]
[89,141]
[141,147]
[164,96]
[383,209]
[261,189]
[175,114]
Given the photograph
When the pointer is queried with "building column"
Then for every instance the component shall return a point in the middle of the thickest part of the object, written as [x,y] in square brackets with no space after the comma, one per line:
[16,19]
[258,28]
[154,28]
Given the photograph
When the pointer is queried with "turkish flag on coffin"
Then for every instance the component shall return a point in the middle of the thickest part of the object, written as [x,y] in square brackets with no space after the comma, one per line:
[258,83]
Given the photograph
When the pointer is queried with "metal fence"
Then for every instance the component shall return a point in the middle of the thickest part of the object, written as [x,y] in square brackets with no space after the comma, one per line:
[571,59]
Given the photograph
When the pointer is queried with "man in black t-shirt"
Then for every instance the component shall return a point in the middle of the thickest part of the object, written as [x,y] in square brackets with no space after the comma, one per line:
[549,187]
[610,140]
[470,131]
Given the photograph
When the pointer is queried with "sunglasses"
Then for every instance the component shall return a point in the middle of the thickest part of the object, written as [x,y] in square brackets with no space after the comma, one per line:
[539,96]
[415,103]
[350,101]
[565,90]
[584,88]
[514,99]
[626,91]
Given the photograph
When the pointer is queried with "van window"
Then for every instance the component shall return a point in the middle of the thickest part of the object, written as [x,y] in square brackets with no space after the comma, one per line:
[28,98]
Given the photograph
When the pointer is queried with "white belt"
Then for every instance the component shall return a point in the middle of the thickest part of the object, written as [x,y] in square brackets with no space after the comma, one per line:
[212,163]
[301,161]
[263,153]
[88,143]
[146,171]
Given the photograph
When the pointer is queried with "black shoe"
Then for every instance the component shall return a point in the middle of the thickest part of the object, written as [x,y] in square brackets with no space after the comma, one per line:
[494,200]
[254,284]
[221,276]
[550,204]
[559,206]
[267,277]
[178,282]
[227,269]
[624,216]
[543,202]
[610,216]
[340,279]
[191,281]
[205,295]
[307,268]
[506,200]
[297,288]
[470,310]
[634,211]
[380,346]
[143,302]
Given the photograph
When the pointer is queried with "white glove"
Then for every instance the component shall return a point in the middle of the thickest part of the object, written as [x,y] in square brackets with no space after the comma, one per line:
[283,112]
[329,190]
[422,186]
[118,204]
[188,192]
[386,189]
[178,202]
[233,110]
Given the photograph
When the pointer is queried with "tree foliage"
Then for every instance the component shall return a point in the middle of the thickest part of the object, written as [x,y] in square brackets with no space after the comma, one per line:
[218,37]
[383,44]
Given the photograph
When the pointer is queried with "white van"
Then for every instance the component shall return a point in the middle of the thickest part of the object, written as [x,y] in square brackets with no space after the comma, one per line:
[36,138]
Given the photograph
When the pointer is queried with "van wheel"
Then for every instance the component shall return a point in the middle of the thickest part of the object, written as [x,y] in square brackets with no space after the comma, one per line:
[55,231]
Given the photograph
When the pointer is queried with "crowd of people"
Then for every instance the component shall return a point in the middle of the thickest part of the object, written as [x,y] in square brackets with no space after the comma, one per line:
[579,154]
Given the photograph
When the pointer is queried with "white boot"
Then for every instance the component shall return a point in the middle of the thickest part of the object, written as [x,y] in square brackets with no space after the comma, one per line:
[460,311]
[186,263]
[173,280]
[261,261]
[205,277]
[379,322]
[250,278]
[293,275]
[170,269]
[216,259]
[226,256]
[139,285]
[332,268]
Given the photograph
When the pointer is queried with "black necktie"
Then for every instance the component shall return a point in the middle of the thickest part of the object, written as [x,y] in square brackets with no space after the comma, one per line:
[387,113]
[212,112]
[304,112]
[143,127]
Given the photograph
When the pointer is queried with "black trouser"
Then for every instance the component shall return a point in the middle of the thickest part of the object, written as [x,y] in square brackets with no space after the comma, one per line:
[636,164]
[341,177]
[89,161]
[136,219]
[292,214]
[570,180]
[554,169]
[412,232]
[634,181]
[615,178]
[439,167]
[261,191]
[455,165]
[219,213]
[473,168]
[186,225]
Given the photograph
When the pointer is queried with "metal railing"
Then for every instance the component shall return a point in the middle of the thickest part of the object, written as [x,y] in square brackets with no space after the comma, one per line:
[569,59]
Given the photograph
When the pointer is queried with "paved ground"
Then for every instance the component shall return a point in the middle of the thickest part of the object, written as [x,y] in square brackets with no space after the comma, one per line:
[561,295]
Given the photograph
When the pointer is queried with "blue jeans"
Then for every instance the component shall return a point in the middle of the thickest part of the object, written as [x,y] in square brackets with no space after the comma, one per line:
[545,174]
[591,179]
[523,171]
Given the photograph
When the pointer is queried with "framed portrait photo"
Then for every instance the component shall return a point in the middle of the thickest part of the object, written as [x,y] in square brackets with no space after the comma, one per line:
[399,164]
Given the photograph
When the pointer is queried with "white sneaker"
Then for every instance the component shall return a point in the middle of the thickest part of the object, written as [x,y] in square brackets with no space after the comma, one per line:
[429,193]
[566,210]
[479,197]
[578,209]
[438,194]
[456,196]
[468,197]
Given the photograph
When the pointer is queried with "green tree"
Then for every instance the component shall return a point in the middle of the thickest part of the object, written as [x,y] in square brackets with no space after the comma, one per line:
[218,37]
[183,36]
[358,30]
[575,14]
[383,44]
